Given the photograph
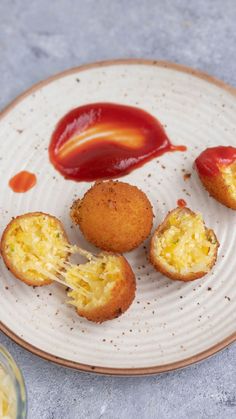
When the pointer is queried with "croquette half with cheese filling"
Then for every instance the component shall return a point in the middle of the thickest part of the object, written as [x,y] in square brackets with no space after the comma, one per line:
[182,247]
[106,287]
[216,168]
[35,249]
[33,246]
[222,187]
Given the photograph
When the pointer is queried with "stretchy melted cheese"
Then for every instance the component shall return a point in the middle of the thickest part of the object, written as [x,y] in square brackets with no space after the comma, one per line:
[93,280]
[35,248]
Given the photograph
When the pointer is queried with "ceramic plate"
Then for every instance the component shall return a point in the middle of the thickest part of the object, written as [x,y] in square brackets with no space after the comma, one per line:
[170,324]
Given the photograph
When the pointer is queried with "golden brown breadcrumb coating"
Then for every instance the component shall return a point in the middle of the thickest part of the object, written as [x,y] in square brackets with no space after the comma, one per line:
[182,248]
[114,216]
[222,186]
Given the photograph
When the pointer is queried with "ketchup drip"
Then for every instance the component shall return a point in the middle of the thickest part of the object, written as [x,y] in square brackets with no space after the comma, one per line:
[210,160]
[22,181]
[181,203]
[105,140]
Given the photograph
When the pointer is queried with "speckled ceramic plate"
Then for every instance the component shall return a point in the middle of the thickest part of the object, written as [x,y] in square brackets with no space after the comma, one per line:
[170,324]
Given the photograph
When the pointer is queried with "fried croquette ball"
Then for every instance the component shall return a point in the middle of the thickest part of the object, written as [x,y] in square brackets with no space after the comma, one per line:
[114,216]
[216,169]
[182,247]
[33,246]
[104,287]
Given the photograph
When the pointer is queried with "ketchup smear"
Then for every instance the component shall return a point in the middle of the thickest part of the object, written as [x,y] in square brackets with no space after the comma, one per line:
[181,203]
[210,160]
[106,140]
[22,181]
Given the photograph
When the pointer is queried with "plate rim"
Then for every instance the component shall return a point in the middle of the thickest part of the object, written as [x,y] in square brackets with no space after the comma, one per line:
[111,370]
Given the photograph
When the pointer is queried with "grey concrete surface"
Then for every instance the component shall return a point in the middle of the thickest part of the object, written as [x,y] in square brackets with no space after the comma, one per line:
[39,38]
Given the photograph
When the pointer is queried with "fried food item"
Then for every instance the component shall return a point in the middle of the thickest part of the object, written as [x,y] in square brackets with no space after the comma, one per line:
[114,216]
[182,247]
[216,168]
[104,287]
[33,246]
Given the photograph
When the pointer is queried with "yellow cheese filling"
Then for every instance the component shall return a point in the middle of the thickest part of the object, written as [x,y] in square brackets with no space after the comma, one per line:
[229,175]
[37,249]
[93,281]
[36,246]
[185,245]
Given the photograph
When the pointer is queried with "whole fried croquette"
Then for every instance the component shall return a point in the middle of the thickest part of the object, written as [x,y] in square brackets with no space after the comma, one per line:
[114,216]
[33,245]
[182,248]
[104,287]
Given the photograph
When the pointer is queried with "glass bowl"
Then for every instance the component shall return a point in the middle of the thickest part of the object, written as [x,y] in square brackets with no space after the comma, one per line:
[9,366]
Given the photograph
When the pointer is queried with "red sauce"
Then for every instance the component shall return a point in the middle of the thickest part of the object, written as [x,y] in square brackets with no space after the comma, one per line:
[181,203]
[210,160]
[105,140]
[22,181]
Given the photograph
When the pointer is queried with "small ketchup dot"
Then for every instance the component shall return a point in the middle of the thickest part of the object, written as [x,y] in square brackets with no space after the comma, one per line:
[22,181]
[181,203]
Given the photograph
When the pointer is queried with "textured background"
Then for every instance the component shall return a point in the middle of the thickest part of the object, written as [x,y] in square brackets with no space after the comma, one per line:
[39,38]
